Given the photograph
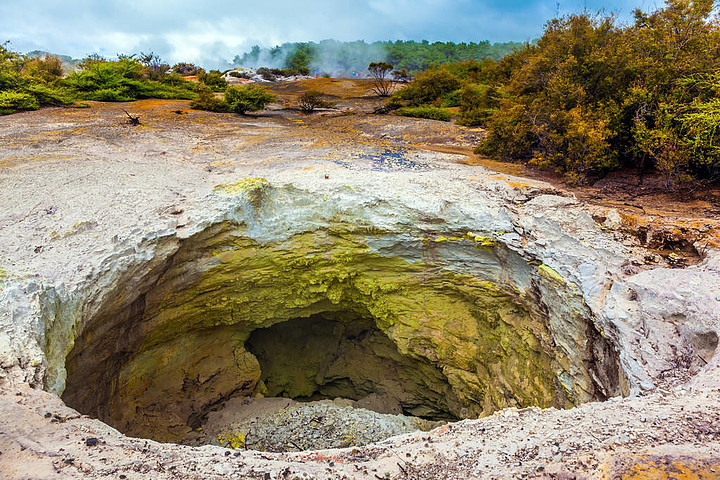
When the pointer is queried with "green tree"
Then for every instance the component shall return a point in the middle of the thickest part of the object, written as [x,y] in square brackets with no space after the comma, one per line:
[300,58]
[401,75]
[478,102]
[380,83]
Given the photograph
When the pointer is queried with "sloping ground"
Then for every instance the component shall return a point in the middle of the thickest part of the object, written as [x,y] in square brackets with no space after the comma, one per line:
[94,213]
[336,87]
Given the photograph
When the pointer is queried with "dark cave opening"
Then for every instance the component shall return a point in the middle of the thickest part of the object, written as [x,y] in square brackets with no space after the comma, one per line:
[342,355]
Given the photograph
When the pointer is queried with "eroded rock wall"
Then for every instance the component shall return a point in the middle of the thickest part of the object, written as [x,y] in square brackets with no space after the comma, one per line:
[499,329]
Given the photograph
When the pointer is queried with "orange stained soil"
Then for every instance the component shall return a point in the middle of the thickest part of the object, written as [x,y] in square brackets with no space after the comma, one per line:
[663,468]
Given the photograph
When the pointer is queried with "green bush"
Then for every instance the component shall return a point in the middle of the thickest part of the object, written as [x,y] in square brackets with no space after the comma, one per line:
[269,74]
[49,95]
[213,79]
[10,67]
[184,68]
[11,102]
[450,99]
[425,111]
[206,100]
[123,80]
[108,95]
[429,86]
[247,98]
[47,68]
[700,124]
[29,83]
[477,103]
[237,74]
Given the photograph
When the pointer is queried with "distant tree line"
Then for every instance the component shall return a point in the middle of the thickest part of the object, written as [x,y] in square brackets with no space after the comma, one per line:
[418,56]
[330,56]
[591,96]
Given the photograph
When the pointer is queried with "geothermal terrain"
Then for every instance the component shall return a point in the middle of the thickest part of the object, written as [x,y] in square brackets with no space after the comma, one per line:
[342,295]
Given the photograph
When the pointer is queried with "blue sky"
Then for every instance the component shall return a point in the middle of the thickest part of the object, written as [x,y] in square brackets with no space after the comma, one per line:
[211,32]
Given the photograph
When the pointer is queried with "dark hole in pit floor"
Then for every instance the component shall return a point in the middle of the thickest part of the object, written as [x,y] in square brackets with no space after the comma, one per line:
[335,355]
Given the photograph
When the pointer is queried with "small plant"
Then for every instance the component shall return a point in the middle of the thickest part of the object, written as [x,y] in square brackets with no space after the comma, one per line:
[268,74]
[236,74]
[430,86]
[206,100]
[213,79]
[311,100]
[234,440]
[248,98]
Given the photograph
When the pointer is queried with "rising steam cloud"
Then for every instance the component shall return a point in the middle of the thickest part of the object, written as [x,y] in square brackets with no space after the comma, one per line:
[327,56]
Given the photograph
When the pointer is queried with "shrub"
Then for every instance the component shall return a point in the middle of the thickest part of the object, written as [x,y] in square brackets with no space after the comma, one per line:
[49,95]
[47,68]
[185,69]
[11,102]
[429,86]
[268,74]
[206,100]
[401,75]
[591,95]
[575,142]
[237,74]
[450,99]
[425,111]
[123,80]
[311,100]
[153,66]
[10,66]
[108,95]
[247,98]
[213,79]
[477,103]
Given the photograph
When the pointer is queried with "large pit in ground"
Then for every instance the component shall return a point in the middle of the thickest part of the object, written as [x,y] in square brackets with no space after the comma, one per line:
[440,327]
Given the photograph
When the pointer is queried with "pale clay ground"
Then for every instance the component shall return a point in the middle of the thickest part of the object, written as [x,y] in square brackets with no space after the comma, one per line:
[79,185]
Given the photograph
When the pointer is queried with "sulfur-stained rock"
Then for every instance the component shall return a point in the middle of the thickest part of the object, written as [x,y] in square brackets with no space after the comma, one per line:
[463,338]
